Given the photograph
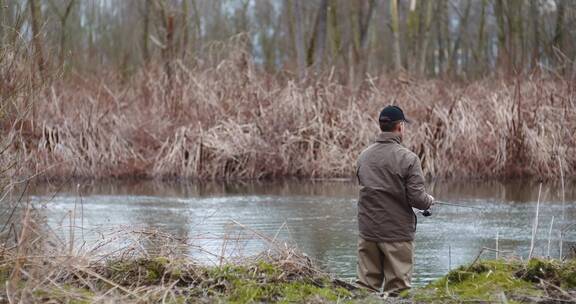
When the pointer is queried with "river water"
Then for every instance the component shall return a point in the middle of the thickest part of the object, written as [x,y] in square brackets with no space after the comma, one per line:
[319,217]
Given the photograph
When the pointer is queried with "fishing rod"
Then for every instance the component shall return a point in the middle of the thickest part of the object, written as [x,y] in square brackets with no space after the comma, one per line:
[456,205]
[428,213]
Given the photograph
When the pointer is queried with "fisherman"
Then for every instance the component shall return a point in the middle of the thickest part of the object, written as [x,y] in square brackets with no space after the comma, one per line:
[392,183]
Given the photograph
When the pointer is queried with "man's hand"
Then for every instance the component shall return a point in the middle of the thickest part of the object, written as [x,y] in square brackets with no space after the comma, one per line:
[432,200]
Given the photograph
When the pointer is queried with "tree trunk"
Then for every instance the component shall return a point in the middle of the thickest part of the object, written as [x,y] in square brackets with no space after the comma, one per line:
[169,48]
[445,30]
[318,41]
[185,32]
[333,31]
[146,32]
[425,38]
[360,21]
[535,19]
[515,35]
[456,52]
[63,21]
[299,38]
[365,24]
[558,42]
[413,26]
[35,20]
[396,57]
[3,22]
[480,51]
[503,52]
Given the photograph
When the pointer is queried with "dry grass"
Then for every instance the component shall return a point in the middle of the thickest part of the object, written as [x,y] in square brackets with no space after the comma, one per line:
[39,265]
[232,121]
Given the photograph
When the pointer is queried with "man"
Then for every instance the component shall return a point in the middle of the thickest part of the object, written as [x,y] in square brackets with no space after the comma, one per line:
[392,184]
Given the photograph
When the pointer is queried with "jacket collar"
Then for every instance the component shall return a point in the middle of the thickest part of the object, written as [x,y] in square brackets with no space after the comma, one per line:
[389,137]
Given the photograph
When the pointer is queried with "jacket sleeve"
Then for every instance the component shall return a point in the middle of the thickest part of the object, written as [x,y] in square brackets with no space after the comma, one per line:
[415,191]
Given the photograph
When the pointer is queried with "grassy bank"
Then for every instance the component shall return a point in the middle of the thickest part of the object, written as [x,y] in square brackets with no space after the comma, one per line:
[167,280]
[40,264]
[505,281]
[235,121]
[39,267]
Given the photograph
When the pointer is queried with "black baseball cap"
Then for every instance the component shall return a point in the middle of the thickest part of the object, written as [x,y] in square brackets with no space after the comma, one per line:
[392,113]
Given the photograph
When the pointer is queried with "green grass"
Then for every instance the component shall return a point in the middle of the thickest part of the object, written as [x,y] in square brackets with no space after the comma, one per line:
[65,294]
[264,282]
[492,280]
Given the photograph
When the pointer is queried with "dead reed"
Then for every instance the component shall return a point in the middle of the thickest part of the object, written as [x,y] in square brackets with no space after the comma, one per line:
[233,121]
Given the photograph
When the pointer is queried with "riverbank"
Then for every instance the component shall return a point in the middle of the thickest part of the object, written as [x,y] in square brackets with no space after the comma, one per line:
[39,264]
[281,278]
[235,122]
[505,281]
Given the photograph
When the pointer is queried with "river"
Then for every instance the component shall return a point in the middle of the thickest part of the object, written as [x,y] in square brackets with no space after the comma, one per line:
[319,217]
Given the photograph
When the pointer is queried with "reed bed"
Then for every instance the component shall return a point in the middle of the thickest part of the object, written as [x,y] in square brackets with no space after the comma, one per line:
[232,121]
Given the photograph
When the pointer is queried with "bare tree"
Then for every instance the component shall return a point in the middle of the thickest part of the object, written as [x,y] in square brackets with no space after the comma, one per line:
[3,9]
[318,41]
[395,27]
[425,37]
[455,52]
[146,31]
[36,20]
[299,37]
[63,17]
[184,29]
[535,19]
[558,42]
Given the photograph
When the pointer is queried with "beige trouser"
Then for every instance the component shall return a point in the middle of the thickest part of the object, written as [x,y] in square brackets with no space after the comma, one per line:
[387,262]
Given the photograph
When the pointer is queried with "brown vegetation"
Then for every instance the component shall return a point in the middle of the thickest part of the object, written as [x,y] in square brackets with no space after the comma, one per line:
[235,122]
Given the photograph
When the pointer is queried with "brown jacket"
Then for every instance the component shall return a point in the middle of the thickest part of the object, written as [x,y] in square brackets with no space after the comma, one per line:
[391,183]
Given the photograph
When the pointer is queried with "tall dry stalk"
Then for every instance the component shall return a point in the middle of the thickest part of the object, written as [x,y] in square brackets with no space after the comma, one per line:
[563,193]
[550,237]
[535,224]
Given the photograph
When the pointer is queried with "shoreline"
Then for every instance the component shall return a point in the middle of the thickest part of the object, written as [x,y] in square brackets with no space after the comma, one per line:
[283,276]
[43,179]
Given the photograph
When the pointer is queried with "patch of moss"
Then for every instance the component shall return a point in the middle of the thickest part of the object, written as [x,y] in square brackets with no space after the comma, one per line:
[5,271]
[64,294]
[250,291]
[486,281]
[568,274]
[295,292]
[138,272]
[538,269]
[265,282]
[562,274]
[267,268]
